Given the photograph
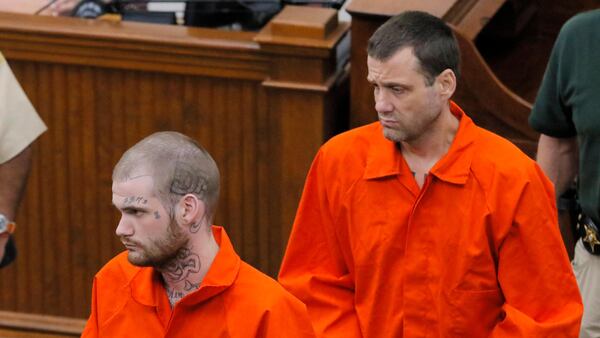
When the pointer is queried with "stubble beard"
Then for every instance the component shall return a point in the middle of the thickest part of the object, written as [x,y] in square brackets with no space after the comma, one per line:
[161,250]
[413,132]
[394,135]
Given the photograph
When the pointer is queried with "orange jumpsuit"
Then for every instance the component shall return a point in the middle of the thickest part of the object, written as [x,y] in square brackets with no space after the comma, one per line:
[234,300]
[475,253]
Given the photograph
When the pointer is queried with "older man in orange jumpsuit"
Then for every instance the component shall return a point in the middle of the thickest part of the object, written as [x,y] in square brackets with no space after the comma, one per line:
[423,224]
[180,277]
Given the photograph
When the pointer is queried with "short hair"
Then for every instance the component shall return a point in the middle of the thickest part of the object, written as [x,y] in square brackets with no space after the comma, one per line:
[433,43]
[178,166]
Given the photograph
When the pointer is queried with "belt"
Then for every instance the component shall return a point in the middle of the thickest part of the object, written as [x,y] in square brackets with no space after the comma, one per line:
[589,233]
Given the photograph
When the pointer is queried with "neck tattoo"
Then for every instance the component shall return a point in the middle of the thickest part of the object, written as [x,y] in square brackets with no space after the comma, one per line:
[181,272]
[174,296]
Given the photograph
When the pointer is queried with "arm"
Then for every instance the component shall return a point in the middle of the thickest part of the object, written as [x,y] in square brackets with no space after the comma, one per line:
[558,157]
[540,290]
[13,178]
[313,268]
[552,116]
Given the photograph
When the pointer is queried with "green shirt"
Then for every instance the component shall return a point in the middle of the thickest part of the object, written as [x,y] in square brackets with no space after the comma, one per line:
[568,103]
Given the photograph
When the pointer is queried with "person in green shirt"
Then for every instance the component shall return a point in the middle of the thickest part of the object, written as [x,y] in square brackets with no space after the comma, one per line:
[567,114]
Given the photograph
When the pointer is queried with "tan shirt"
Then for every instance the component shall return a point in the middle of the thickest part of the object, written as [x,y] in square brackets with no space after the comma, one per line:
[20,124]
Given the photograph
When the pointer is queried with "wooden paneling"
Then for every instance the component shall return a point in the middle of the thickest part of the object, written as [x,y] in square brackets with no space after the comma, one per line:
[86,138]
[491,104]
[102,87]
[529,50]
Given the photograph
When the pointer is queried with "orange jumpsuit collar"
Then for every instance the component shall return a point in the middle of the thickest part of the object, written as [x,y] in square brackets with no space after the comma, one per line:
[220,276]
[384,158]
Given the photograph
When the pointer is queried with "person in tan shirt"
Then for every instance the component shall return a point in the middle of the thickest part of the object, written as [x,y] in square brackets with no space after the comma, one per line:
[20,125]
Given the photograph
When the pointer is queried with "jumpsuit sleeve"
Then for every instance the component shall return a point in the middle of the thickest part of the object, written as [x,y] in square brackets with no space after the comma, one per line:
[540,290]
[91,327]
[286,319]
[314,268]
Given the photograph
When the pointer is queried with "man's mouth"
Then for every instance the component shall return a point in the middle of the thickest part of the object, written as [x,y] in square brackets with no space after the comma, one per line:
[388,123]
[130,245]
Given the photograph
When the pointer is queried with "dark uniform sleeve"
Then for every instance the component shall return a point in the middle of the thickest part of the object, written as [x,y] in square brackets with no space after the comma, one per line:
[551,114]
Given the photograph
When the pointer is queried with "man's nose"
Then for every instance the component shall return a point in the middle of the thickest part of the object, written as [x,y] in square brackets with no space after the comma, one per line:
[124,228]
[382,103]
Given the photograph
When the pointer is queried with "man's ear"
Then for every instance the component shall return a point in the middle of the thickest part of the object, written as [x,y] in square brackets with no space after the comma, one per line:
[446,82]
[191,209]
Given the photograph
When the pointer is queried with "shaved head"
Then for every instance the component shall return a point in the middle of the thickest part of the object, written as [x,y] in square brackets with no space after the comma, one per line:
[177,164]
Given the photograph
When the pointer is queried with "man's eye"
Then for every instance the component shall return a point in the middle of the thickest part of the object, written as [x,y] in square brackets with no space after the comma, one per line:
[398,90]
[376,90]
[134,212]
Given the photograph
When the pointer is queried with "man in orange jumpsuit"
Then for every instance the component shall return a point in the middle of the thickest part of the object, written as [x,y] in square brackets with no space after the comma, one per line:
[423,224]
[180,277]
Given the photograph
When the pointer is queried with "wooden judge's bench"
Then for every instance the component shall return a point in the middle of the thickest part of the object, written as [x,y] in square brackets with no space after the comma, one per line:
[260,102]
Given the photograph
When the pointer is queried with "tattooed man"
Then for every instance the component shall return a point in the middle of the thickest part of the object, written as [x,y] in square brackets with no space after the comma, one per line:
[179,276]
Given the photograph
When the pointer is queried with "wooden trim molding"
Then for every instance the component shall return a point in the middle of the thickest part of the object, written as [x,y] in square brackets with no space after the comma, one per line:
[131,45]
[41,323]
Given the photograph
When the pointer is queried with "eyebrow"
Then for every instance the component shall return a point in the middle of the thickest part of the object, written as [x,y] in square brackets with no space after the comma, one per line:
[390,84]
[129,208]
